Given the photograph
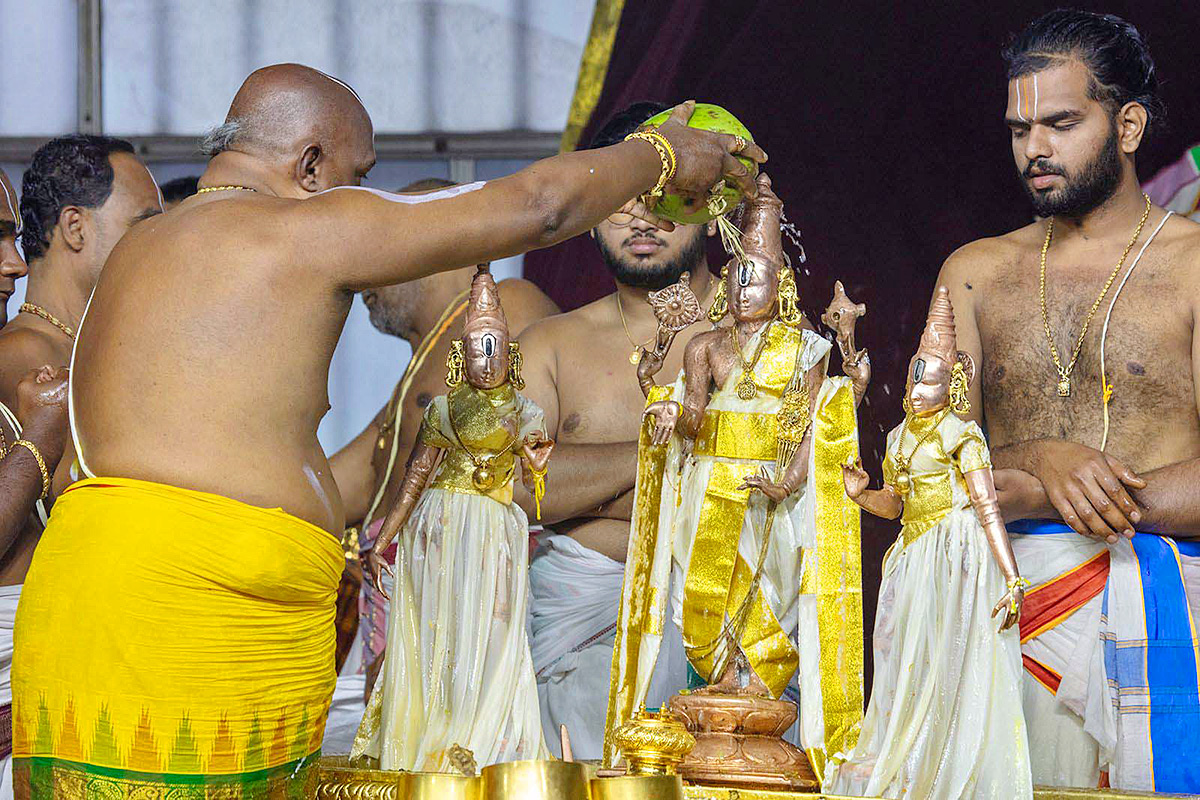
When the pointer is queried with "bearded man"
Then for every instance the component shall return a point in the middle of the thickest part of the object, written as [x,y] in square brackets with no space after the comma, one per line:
[1083,322]
[181,601]
[581,369]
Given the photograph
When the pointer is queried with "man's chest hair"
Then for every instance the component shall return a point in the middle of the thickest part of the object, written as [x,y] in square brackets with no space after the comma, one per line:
[1147,350]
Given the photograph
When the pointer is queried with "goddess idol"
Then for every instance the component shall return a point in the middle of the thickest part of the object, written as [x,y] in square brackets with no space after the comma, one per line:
[457,674]
[945,719]
[742,529]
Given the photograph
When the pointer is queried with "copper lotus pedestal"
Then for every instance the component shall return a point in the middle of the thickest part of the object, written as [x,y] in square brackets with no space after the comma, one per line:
[739,741]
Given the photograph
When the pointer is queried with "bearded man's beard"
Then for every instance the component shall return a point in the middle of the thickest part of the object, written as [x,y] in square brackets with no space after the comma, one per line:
[1095,184]
[630,271]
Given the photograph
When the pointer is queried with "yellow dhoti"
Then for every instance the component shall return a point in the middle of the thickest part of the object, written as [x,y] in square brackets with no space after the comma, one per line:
[173,643]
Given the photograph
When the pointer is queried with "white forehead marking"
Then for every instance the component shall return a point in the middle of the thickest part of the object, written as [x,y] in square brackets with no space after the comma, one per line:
[1035,96]
[10,200]
[1020,111]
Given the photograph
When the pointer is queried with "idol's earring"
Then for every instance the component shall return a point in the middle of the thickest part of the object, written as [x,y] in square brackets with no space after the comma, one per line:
[515,362]
[907,406]
[789,298]
[454,364]
[720,303]
[959,403]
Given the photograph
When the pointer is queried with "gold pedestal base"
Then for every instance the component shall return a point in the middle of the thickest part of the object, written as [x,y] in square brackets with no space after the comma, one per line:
[739,742]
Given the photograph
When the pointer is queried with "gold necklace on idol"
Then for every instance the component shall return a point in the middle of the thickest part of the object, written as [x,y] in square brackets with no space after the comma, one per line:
[1064,373]
[747,389]
[904,464]
[38,311]
[483,477]
[636,355]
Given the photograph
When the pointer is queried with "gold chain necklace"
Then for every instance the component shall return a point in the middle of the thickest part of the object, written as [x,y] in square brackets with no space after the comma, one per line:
[636,355]
[747,389]
[226,188]
[1064,373]
[38,311]
[482,477]
[903,465]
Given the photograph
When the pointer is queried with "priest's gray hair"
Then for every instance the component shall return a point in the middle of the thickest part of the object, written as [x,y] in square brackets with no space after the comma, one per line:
[223,137]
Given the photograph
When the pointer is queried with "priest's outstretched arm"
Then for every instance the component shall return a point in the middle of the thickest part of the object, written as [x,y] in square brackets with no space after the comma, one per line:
[42,410]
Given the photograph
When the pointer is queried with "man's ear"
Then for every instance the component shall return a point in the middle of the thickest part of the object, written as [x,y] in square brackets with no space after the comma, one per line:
[710,228]
[1132,120]
[71,225]
[308,168]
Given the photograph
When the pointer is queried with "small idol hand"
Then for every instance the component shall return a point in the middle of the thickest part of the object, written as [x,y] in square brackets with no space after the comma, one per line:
[1011,605]
[773,491]
[858,367]
[666,415]
[855,478]
[376,565]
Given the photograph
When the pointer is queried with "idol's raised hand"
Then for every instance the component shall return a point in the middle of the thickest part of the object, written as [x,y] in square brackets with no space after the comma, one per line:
[665,414]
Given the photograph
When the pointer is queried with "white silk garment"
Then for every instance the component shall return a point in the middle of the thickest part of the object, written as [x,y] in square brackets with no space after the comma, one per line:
[458,669]
[945,718]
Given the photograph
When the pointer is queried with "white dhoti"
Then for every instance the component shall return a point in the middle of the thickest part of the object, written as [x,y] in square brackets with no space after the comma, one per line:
[574,597]
[1112,658]
[8,613]
[457,669]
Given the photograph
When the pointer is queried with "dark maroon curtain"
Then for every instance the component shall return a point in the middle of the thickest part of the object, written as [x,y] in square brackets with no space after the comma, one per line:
[887,143]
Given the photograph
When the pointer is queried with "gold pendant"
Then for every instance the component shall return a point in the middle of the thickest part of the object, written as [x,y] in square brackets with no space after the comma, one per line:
[746,388]
[635,356]
[903,482]
[1064,386]
[483,478]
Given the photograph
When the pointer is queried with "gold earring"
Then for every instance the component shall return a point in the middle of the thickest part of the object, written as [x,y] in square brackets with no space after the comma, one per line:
[720,303]
[959,403]
[789,298]
[515,362]
[454,364]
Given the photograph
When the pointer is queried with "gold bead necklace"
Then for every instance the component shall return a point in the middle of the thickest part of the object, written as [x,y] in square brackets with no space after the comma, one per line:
[903,465]
[747,389]
[232,187]
[38,311]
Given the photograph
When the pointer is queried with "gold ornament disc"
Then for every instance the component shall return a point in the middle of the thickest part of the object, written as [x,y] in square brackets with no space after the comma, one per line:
[903,483]
[746,388]
[483,477]
[635,356]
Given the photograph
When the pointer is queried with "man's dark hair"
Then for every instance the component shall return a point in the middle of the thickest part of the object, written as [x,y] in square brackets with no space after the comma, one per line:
[625,122]
[68,171]
[1115,53]
[180,188]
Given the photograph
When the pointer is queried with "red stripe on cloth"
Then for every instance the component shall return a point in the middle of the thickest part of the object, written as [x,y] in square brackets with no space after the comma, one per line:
[1041,673]
[1050,603]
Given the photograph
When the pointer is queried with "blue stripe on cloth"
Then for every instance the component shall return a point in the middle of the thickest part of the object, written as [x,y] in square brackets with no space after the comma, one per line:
[1170,662]
[1186,547]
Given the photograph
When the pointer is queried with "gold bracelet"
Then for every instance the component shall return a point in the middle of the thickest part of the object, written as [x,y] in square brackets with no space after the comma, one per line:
[666,154]
[539,486]
[41,462]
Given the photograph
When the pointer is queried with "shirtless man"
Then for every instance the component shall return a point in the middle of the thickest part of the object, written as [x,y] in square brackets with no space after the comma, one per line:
[578,369]
[1091,448]
[78,197]
[200,378]
[427,313]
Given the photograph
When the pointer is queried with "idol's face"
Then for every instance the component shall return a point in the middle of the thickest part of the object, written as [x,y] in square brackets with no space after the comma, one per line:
[485,357]
[753,289]
[1065,143]
[642,255]
[12,265]
[928,387]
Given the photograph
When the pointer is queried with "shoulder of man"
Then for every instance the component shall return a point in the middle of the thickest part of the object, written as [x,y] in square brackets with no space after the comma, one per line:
[21,350]
[978,258]
[564,327]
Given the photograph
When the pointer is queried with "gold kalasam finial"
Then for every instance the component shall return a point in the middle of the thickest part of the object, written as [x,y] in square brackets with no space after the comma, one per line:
[654,743]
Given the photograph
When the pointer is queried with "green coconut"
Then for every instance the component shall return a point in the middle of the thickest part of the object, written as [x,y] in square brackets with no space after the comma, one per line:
[693,211]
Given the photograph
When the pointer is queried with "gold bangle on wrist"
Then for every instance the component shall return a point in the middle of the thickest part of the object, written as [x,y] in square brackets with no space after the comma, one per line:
[1016,583]
[41,462]
[666,154]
